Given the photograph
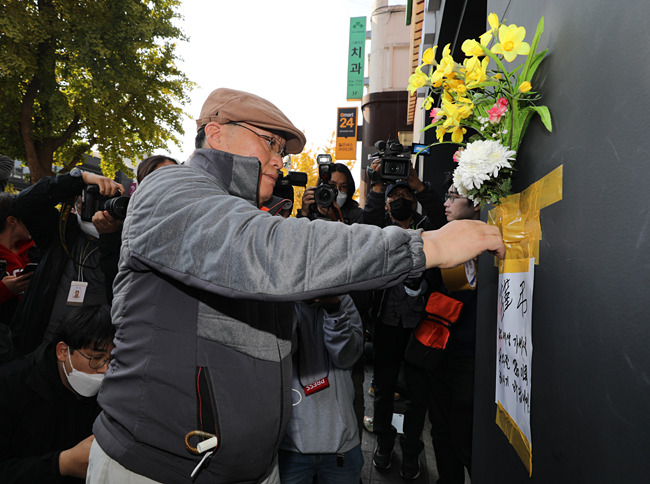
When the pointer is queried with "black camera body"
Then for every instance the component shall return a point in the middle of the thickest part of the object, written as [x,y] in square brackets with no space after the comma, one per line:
[285,183]
[92,201]
[292,179]
[395,162]
[324,194]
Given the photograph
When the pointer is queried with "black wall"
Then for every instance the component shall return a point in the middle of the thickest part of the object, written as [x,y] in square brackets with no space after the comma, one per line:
[590,401]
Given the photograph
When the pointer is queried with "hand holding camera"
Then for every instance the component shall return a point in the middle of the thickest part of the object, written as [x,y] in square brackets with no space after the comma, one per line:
[101,194]
[106,187]
[394,162]
[321,200]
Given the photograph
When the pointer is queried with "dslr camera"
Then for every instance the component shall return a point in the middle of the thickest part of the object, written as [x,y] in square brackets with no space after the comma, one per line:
[292,179]
[325,194]
[285,183]
[92,201]
[395,162]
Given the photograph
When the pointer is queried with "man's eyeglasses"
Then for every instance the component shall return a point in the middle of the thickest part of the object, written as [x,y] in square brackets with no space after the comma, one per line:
[453,196]
[96,362]
[276,147]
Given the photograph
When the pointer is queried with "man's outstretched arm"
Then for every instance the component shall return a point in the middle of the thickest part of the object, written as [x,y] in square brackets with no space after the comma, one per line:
[460,241]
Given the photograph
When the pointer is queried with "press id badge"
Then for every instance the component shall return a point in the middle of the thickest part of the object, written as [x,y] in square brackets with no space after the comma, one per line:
[317,386]
[77,293]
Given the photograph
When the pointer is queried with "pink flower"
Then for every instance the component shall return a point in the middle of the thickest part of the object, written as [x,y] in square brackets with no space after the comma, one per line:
[436,113]
[457,154]
[498,110]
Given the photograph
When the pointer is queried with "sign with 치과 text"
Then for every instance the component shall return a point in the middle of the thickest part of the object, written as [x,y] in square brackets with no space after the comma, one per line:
[356,57]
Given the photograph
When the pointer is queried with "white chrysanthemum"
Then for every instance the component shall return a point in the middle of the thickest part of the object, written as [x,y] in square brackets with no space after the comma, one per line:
[479,162]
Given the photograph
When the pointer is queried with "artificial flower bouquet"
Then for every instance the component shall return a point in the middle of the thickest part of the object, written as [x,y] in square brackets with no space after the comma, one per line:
[493,107]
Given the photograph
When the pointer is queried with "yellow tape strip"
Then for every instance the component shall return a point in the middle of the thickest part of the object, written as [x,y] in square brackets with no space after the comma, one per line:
[513,265]
[516,437]
[518,218]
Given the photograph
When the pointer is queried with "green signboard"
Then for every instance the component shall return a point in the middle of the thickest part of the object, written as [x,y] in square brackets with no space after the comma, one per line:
[356,57]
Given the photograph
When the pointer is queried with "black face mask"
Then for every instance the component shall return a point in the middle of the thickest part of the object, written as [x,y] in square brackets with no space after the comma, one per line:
[401,209]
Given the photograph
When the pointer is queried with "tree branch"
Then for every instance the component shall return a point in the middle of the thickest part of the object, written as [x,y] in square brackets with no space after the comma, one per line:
[78,153]
[72,128]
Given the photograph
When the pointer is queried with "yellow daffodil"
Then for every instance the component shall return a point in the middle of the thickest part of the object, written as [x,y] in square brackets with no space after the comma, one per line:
[428,102]
[429,56]
[444,68]
[471,48]
[525,87]
[455,112]
[475,71]
[493,20]
[446,96]
[511,42]
[457,134]
[417,80]
[440,133]
[485,38]
[456,85]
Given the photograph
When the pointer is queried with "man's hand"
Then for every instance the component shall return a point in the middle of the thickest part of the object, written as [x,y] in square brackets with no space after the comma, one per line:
[107,187]
[380,186]
[459,241]
[17,284]
[105,223]
[414,181]
[307,200]
[74,462]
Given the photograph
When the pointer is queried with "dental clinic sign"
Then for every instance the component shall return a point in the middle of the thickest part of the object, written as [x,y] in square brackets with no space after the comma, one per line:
[356,56]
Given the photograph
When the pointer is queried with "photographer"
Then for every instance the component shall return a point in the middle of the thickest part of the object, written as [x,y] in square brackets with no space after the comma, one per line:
[321,438]
[75,254]
[339,205]
[398,310]
[47,408]
[384,209]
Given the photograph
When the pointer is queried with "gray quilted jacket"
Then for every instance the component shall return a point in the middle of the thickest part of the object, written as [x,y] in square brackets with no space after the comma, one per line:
[203,310]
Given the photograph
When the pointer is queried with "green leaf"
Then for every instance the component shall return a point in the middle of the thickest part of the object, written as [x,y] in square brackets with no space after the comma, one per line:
[499,64]
[533,47]
[534,65]
[545,114]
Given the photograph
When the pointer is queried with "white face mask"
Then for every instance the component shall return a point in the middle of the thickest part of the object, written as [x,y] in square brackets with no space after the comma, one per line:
[341,198]
[85,384]
[87,227]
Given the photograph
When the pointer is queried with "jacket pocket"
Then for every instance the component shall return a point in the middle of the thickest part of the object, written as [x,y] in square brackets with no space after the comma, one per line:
[206,411]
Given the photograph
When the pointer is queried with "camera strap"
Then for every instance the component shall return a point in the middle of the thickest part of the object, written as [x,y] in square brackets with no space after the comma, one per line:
[312,356]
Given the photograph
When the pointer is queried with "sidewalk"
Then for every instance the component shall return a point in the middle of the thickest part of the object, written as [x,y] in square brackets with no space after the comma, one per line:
[370,475]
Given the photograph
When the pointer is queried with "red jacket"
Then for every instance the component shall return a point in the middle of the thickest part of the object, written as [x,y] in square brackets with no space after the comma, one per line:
[15,262]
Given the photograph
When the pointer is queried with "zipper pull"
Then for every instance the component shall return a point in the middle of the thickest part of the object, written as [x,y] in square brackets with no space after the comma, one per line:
[205,460]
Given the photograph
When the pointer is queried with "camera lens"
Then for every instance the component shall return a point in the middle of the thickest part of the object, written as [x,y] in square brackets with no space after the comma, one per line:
[324,195]
[117,206]
[394,168]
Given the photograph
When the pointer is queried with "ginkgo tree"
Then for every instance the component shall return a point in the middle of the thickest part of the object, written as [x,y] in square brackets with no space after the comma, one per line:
[77,76]
[306,162]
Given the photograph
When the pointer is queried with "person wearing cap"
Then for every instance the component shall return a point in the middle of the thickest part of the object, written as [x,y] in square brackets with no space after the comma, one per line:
[396,203]
[399,309]
[204,296]
[447,390]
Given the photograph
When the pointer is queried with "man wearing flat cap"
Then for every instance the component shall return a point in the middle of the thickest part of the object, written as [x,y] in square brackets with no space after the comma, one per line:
[204,302]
